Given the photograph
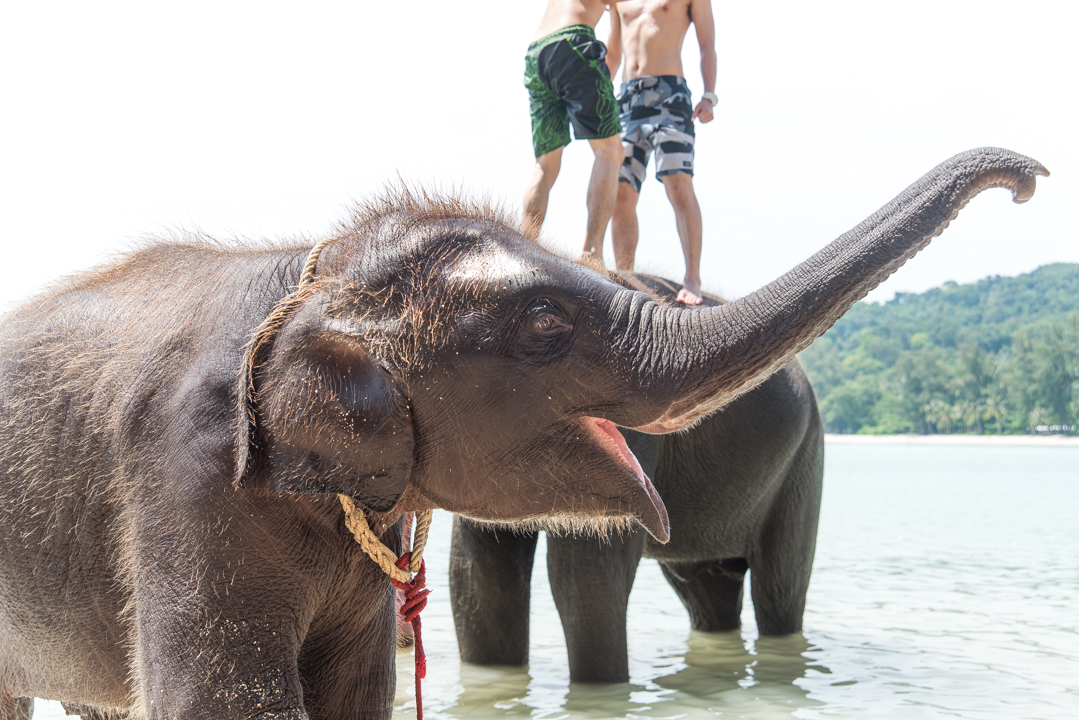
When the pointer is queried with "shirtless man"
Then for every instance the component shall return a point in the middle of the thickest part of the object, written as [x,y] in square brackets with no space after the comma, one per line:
[657,113]
[569,81]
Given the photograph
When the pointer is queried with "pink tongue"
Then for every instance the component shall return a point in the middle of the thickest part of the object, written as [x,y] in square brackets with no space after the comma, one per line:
[611,431]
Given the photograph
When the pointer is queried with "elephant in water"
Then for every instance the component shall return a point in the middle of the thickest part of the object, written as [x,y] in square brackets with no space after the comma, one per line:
[174,429]
[742,490]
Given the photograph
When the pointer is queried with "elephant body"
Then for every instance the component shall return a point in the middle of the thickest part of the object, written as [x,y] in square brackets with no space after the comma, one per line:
[176,428]
[742,490]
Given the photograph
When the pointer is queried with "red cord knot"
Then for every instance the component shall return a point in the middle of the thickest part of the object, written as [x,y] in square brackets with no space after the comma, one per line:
[416,593]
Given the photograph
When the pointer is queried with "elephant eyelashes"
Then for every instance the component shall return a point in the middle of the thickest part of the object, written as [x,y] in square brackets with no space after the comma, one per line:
[544,331]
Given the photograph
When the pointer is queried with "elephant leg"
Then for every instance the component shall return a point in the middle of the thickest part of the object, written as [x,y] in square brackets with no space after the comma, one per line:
[490,585]
[208,646]
[782,562]
[591,580]
[339,678]
[711,591]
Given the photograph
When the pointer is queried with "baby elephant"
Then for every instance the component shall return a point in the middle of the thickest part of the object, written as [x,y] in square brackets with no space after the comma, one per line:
[175,428]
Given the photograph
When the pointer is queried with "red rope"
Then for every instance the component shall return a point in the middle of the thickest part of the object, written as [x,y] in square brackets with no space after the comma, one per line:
[416,593]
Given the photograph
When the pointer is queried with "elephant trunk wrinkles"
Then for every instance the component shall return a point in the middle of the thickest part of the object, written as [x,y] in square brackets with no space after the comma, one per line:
[719,353]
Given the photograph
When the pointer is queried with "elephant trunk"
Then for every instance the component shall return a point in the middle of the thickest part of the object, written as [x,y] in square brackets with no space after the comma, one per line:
[719,353]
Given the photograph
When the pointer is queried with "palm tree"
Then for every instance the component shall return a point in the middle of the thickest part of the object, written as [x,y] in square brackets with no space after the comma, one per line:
[938,412]
[972,413]
[995,409]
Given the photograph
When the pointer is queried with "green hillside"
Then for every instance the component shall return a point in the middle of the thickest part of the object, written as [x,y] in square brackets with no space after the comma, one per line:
[998,356]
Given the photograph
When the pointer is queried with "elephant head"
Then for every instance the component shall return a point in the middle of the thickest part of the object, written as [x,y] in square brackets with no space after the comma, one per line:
[442,351]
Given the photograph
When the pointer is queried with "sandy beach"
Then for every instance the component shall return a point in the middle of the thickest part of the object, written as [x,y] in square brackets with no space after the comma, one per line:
[1026,440]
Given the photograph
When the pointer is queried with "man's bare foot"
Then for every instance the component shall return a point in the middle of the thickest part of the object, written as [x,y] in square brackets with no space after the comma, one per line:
[592,260]
[690,294]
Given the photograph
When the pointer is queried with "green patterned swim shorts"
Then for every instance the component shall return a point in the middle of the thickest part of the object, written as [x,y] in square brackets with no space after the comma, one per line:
[568,82]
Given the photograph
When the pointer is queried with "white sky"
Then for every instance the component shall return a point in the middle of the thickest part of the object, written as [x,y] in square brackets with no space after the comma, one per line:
[120,120]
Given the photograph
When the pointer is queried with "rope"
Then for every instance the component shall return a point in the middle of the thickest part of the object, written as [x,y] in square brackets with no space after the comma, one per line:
[308,275]
[416,593]
[401,569]
[361,531]
[423,526]
[356,522]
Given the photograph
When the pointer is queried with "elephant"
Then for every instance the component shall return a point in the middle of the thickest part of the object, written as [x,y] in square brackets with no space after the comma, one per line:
[742,490]
[179,430]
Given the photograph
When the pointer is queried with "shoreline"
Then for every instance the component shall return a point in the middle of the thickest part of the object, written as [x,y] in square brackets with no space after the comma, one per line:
[997,440]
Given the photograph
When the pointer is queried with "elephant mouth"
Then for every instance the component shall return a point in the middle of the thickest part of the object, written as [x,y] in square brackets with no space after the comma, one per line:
[645,503]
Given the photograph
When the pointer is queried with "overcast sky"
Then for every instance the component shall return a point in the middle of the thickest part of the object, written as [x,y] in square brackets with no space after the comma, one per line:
[122,120]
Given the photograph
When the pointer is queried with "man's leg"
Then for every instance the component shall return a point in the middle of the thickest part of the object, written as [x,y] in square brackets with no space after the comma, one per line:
[602,190]
[539,188]
[624,231]
[687,214]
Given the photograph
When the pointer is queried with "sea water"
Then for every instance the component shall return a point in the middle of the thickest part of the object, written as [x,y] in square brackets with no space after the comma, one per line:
[946,585]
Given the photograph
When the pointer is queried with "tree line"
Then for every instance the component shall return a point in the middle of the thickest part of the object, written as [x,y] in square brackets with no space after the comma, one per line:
[997,356]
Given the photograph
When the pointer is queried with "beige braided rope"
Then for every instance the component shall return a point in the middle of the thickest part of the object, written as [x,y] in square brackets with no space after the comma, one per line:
[355,520]
[307,276]
[419,541]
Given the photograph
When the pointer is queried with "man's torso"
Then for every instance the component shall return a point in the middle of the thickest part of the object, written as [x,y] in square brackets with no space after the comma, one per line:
[563,13]
[652,35]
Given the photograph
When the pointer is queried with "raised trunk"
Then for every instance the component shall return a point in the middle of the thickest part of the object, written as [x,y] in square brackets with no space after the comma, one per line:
[721,352]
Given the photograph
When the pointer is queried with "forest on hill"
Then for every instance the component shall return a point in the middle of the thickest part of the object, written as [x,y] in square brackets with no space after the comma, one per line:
[997,356]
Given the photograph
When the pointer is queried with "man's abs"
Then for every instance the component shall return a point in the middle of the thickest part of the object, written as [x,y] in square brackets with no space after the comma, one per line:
[652,35]
[563,13]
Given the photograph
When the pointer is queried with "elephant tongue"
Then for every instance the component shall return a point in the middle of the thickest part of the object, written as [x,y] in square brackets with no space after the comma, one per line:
[611,431]
[656,520]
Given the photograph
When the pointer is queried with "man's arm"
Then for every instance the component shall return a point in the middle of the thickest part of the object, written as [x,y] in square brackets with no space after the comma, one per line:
[614,41]
[700,12]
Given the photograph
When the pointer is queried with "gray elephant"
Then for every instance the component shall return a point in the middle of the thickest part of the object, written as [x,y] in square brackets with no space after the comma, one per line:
[174,429]
[742,490]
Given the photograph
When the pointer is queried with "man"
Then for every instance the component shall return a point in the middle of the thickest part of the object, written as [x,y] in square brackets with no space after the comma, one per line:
[657,114]
[569,81]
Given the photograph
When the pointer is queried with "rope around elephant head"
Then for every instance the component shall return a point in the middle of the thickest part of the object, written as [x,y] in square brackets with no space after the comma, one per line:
[408,573]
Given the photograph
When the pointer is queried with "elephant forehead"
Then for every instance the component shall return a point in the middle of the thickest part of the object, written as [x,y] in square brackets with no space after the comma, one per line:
[494,264]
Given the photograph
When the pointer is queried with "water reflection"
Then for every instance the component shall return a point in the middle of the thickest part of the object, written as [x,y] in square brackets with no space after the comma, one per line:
[715,674]
[721,667]
[492,692]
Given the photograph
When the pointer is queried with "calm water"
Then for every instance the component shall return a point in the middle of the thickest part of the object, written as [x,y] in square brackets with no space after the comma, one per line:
[946,585]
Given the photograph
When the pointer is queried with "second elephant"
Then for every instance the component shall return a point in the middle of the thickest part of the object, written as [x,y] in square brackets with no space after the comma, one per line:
[742,491]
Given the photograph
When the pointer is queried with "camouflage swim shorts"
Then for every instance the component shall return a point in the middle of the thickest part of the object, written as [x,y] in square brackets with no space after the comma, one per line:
[568,81]
[656,114]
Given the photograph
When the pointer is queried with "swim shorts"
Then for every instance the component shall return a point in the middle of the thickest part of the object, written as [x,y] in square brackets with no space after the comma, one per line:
[656,112]
[568,82]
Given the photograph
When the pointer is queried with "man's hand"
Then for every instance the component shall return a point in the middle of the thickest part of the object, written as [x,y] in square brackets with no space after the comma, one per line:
[703,111]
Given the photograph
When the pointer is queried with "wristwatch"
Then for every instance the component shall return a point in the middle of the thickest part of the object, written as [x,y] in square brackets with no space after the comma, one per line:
[711,97]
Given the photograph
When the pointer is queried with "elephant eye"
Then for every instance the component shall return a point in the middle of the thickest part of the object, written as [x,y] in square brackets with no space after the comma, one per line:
[546,318]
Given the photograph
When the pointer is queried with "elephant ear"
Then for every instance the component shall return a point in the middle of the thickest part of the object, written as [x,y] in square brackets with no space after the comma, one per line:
[319,415]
